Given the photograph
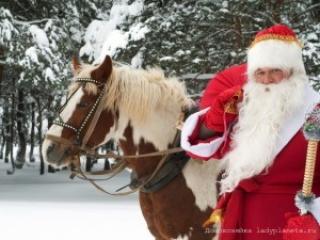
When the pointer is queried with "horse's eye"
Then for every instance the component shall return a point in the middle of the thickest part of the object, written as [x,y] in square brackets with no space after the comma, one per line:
[82,104]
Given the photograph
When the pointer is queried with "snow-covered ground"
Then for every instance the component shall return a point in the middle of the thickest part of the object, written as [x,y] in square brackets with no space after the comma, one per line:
[52,207]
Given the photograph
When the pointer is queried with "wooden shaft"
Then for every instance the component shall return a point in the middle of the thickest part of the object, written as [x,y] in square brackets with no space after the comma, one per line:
[309,168]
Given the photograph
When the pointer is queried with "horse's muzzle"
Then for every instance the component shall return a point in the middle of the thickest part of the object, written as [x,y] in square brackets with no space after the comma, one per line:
[56,154]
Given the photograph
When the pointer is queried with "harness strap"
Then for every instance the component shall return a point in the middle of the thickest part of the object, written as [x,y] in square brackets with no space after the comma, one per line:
[109,154]
[141,184]
[94,121]
[145,155]
[113,172]
[135,189]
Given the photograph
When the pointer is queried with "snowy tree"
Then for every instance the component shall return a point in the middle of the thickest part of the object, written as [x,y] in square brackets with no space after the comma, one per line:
[36,48]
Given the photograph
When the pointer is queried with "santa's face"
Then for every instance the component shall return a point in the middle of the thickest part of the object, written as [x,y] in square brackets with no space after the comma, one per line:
[270,75]
[265,109]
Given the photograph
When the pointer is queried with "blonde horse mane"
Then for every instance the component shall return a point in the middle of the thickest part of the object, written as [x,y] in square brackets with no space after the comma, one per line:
[140,92]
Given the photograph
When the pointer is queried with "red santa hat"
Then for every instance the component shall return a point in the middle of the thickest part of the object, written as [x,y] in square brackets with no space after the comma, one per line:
[275,47]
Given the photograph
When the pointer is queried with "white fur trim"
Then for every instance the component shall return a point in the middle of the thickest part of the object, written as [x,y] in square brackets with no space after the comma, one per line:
[202,149]
[275,54]
[297,118]
[315,209]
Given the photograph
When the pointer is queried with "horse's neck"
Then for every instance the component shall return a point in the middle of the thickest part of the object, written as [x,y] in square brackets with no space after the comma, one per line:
[159,129]
[154,134]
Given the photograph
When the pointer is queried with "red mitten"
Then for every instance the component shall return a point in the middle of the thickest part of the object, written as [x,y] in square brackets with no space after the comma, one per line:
[223,109]
[303,227]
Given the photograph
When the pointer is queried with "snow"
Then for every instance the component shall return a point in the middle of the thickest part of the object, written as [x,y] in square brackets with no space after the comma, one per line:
[104,37]
[137,32]
[76,34]
[197,60]
[225,4]
[94,37]
[39,36]
[31,52]
[116,39]
[54,207]
[6,29]
[233,54]
[49,75]
[168,58]
[120,10]
[312,37]
[137,60]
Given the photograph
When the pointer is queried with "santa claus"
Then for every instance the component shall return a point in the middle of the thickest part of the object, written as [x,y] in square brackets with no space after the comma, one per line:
[250,121]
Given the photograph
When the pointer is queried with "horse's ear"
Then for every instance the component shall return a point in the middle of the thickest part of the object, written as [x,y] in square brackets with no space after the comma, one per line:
[103,71]
[75,65]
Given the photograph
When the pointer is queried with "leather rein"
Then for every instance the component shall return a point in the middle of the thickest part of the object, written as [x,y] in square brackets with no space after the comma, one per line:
[80,146]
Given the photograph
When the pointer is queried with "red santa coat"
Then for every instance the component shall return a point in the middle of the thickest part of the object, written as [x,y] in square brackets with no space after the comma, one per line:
[256,209]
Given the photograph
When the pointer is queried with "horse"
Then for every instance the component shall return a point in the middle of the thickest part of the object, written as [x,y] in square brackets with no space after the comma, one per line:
[139,110]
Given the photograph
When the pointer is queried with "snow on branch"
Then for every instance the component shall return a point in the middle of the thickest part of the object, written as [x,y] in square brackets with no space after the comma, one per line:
[33,21]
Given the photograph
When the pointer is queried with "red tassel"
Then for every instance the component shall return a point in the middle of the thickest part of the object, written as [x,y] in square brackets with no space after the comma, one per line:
[299,227]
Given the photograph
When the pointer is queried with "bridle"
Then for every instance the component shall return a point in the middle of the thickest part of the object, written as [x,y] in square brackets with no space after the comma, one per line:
[81,144]
[94,113]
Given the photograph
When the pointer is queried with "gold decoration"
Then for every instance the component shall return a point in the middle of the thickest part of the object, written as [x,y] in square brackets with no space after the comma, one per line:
[309,168]
[289,39]
[215,217]
[231,106]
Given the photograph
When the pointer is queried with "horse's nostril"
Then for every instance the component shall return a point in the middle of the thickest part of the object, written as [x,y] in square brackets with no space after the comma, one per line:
[50,148]
[67,151]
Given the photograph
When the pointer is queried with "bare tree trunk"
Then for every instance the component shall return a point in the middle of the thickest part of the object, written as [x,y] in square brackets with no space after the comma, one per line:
[6,130]
[50,119]
[21,119]
[31,158]
[88,164]
[109,146]
[2,144]
[42,165]
[13,102]
[1,71]
[106,164]
[3,131]
[7,152]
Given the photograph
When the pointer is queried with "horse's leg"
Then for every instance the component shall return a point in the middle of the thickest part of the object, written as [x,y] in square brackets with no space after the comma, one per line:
[148,213]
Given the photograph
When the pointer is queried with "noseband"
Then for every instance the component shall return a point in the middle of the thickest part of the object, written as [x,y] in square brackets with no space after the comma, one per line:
[94,113]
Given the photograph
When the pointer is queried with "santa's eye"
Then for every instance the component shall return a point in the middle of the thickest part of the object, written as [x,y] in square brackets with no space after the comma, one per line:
[260,73]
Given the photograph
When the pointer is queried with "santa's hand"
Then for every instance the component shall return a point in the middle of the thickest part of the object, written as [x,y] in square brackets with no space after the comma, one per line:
[223,109]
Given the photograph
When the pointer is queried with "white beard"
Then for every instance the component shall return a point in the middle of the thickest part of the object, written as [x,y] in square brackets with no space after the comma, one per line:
[263,112]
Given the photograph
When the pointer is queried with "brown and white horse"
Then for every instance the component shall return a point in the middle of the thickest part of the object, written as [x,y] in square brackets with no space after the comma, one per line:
[140,111]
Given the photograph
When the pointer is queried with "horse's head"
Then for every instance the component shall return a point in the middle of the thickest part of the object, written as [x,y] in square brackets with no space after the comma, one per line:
[132,106]
[84,120]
